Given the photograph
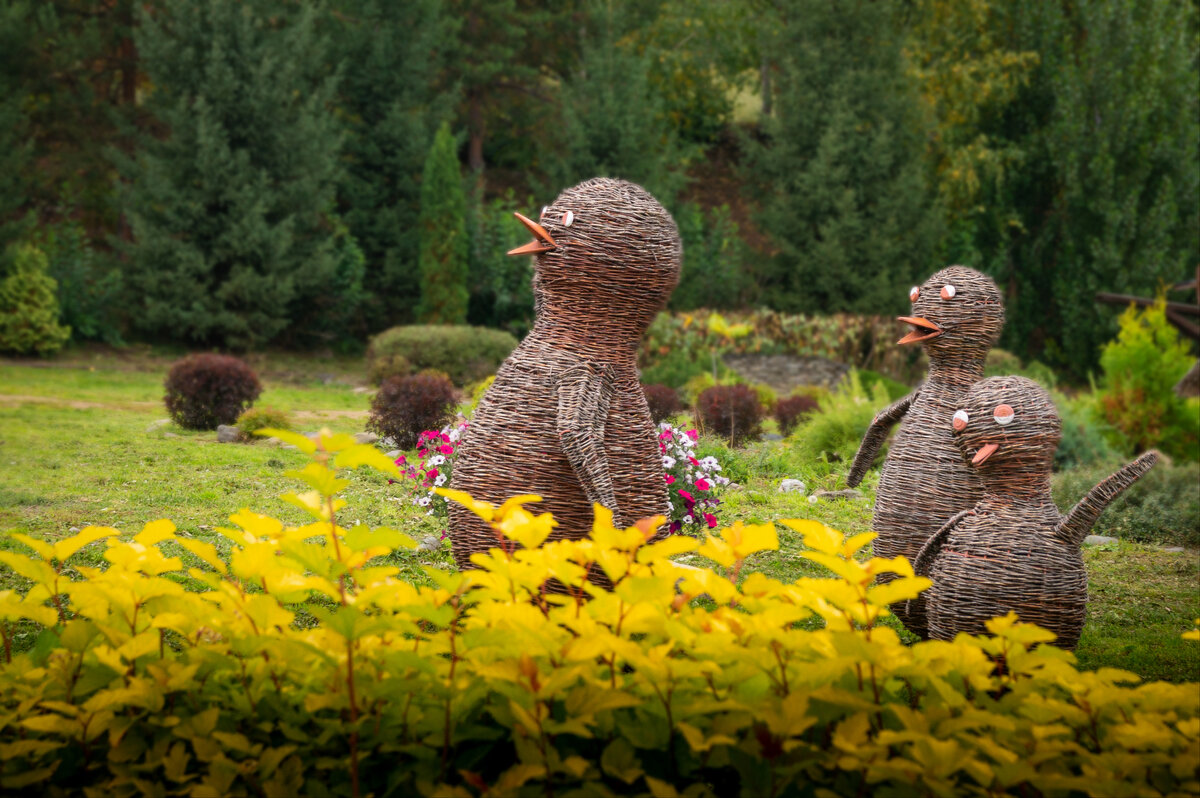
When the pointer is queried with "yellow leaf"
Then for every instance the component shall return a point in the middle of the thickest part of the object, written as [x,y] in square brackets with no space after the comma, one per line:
[320,478]
[301,442]
[849,570]
[751,538]
[155,532]
[853,544]
[334,442]
[675,544]
[817,536]
[40,547]
[366,455]
[897,590]
[484,510]
[89,534]
[205,551]
[718,551]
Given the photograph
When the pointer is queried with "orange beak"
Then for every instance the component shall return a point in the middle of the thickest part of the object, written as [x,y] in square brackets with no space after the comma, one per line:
[542,241]
[916,335]
[984,453]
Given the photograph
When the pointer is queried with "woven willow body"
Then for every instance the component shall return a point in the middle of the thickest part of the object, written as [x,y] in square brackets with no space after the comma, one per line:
[924,481]
[566,418]
[1013,551]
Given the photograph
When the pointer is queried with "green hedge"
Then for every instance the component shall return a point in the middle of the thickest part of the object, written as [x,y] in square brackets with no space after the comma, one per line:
[299,664]
[465,354]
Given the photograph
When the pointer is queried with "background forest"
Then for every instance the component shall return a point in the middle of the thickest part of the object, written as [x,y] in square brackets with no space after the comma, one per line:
[243,173]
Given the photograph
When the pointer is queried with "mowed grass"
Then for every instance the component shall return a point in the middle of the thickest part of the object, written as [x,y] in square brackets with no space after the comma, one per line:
[80,444]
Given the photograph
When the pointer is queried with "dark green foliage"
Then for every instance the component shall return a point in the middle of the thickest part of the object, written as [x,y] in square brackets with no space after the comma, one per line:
[335,318]
[28,307]
[404,407]
[391,100]
[791,410]
[16,145]
[1085,439]
[614,123]
[444,245]
[1162,507]
[257,418]
[231,243]
[663,401]
[501,286]
[714,260]
[89,284]
[893,389]
[834,433]
[207,390]
[732,411]
[1108,194]
[466,354]
[841,178]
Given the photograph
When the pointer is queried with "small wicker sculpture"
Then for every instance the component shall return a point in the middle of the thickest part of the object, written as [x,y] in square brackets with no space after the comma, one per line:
[957,316]
[566,417]
[1013,550]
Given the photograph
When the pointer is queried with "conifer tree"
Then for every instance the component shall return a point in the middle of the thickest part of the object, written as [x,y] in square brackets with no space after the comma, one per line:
[391,57]
[843,182]
[228,208]
[443,231]
[16,146]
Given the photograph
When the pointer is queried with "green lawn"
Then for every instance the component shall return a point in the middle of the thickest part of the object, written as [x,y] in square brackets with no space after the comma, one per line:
[79,445]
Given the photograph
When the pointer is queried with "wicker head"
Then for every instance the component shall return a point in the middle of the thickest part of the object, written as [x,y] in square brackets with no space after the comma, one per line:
[957,315]
[1013,551]
[566,417]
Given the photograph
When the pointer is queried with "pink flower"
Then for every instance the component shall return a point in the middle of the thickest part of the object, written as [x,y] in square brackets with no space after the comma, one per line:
[693,460]
[686,496]
[693,434]
[445,438]
[446,449]
[431,473]
[666,435]
[401,460]
[711,520]
[670,479]
[703,484]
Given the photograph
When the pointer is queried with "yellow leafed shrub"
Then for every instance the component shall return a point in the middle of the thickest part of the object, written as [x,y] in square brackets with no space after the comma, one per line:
[151,677]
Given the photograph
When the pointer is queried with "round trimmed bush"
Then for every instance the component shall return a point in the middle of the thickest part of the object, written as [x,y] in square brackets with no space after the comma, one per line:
[404,407]
[257,418]
[733,411]
[207,390]
[791,409]
[663,401]
[466,354]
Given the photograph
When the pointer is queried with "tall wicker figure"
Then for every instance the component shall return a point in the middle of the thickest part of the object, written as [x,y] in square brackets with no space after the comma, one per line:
[566,417]
[957,316]
[1013,550]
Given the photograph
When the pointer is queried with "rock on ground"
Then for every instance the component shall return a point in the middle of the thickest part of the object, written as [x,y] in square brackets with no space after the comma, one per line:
[1098,540]
[792,486]
[227,434]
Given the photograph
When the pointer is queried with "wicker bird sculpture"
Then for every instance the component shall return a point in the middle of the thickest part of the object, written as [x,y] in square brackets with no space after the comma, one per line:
[1013,551]
[566,418]
[957,316]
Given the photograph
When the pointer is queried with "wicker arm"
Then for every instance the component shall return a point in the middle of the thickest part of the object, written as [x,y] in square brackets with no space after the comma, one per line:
[923,562]
[584,393]
[1075,525]
[877,433]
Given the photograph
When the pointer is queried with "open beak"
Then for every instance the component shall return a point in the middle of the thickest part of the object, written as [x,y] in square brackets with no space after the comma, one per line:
[542,242]
[924,329]
[984,453]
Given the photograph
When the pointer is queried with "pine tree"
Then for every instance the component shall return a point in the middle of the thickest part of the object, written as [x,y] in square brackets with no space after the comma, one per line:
[843,181]
[228,211]
[391,57]
[443,259]
[28,306]
[16,145]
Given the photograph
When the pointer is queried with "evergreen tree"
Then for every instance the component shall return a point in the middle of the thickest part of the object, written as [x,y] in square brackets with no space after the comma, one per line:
[391,57]
[443,259]
[501,286]
[228,209]
[16,145]
[28,306]
[842,179]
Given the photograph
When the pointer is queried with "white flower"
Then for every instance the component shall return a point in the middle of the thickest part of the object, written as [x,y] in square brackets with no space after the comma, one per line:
[689,519]
[424,501]
[668,462]
[812,499]
[436,460]
[441,480]
[710,464]
[453,435]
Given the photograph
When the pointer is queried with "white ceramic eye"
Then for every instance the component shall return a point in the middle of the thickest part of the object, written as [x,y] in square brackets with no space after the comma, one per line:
[568,219]
[960,420]
[913,293]
[543,213]
[1003,415]
[948,291]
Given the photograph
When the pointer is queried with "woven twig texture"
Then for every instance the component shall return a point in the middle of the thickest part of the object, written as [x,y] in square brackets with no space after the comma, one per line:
[566,417]
[1012,550]
[924,481]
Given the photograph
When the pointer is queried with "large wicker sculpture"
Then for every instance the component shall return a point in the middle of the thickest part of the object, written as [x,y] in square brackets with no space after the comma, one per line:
[566,417]
[957,316]
[1013,550]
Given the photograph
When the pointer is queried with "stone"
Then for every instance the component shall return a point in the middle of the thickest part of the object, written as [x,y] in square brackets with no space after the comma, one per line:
[772,436]
[430,543]
[394,453]
[826,495]
[786,373]
[1098,540]
[1175,549]
[365,437]
[389,443]
[73,529]
[157,425]
[363,389]
[227,434]
[733,486]
[792,486]
[272,441]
